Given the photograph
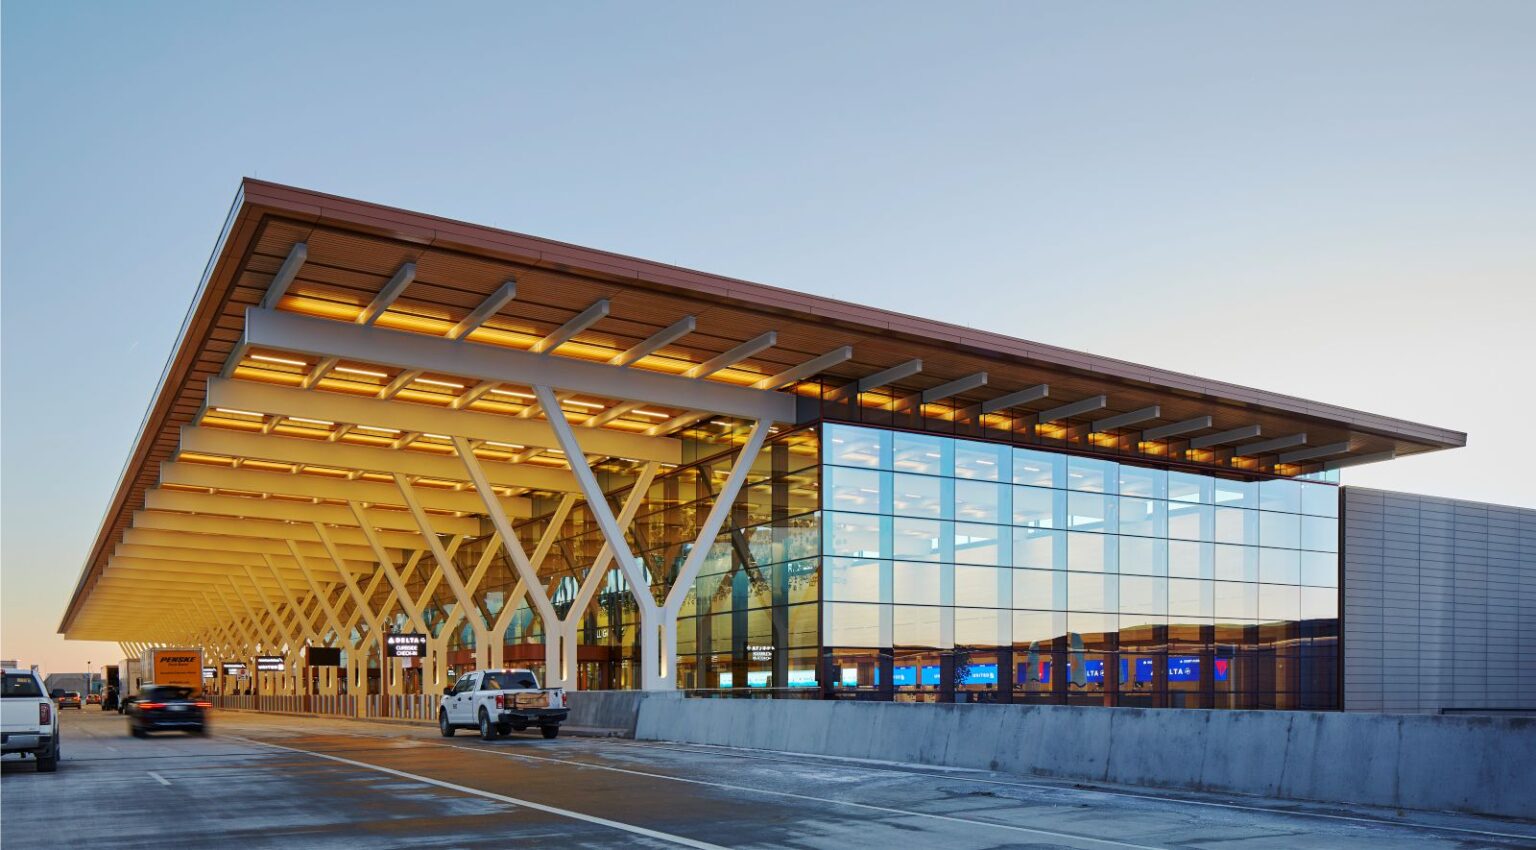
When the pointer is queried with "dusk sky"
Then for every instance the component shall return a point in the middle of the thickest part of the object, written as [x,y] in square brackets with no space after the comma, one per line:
[1332,201]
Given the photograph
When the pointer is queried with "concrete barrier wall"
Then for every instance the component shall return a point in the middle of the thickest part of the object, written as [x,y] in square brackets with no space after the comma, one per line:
[1482,765]
[612,709]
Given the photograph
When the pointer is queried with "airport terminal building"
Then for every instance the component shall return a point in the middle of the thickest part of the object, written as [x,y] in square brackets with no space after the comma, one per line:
[627,475]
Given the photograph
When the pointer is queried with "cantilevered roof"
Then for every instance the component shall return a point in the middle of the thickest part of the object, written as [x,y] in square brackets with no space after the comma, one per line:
[335,349]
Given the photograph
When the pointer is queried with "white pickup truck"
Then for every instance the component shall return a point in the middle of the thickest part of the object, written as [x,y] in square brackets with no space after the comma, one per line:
[496,702]
[29,721]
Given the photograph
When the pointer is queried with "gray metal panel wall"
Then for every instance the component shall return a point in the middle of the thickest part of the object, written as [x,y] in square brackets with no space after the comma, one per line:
[1439,603]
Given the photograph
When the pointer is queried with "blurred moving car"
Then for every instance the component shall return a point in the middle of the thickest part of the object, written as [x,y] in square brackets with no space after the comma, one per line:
[29,724]
[69,699]
[93,699]
[167,707]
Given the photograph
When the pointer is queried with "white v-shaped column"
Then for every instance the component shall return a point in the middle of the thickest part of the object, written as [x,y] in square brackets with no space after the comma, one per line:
[658,623]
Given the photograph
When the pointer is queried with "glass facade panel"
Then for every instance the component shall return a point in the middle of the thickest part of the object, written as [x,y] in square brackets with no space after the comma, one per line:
[1039,469]
[982,587]
[1040,589]
[921,454]
[980,501]
[1038,507]
[1089,581]
[918,495]
[981,461]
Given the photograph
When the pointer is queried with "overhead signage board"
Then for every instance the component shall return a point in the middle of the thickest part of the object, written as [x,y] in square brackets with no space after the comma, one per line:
[234,668]
[270,664]
[406,646]
[322,656]
[208,673]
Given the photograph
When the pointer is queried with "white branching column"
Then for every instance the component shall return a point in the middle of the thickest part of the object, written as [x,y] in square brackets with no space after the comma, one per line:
[658,623]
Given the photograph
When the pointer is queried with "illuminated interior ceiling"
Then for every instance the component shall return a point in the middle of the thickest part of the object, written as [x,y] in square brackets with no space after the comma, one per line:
[335,349]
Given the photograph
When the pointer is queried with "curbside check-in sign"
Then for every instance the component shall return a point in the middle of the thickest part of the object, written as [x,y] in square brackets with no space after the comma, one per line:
[406,646]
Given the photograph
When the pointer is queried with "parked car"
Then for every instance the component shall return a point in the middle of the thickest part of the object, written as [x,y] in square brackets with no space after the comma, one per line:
[29,722]
[93,699]
[70,699]
[496,702]
[167,707]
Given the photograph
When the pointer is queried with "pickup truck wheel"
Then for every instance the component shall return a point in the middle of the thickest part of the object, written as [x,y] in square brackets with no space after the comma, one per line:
[48,762]
[487,729]
[549,731]
[443,726]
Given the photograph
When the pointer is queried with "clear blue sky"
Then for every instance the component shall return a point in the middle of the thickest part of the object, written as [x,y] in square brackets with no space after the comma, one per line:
[1335,200]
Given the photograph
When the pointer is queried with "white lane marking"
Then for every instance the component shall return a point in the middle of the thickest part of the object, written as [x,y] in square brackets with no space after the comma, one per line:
[897,768]
[1067,836]
[158,778]
[464,789]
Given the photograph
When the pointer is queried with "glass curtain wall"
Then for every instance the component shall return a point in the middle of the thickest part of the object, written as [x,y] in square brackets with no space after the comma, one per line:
[970,571]
[751,621]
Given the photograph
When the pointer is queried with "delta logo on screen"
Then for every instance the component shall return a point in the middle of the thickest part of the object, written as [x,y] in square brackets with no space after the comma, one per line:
[1181,668]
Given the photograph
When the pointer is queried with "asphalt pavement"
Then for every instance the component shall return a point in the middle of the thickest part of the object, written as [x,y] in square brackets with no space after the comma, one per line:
[263,781]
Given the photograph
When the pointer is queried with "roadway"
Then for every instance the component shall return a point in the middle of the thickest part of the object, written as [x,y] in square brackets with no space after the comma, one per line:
[264,781]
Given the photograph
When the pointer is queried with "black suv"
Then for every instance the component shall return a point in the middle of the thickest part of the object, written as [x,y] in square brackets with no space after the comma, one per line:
[160,707]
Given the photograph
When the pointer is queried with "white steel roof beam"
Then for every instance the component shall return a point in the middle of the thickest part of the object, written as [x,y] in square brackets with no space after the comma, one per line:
[656,341]
[262,397]
[1127,419]
[793,374]
[126,563]
[1221,438]
[399,349]
[488,308]
[884,377]
[217,528]
[1014,399]
[218,441]
[1315,452]
[577,324]
[326,487]
[796,374]
[730,357]
[1265,447]
[663,337]
[748,349]
[285,275]
[388,295]
[948,389]
[243,506]
[234,546]
[1174,429]
[1073,409]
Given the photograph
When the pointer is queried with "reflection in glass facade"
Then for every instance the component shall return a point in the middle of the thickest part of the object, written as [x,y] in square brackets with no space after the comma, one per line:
[867,563]
[985,572]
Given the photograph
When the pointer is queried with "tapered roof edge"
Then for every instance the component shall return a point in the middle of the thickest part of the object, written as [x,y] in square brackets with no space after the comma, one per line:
[441,232]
